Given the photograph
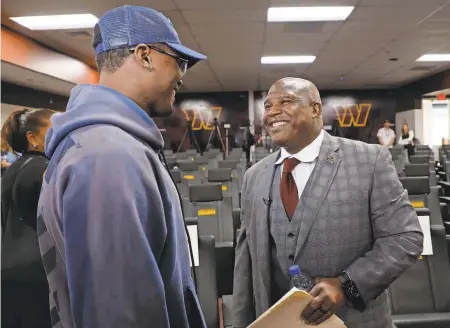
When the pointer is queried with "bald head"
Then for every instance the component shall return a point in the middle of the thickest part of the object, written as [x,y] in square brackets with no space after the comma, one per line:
[299,87]
[293,113]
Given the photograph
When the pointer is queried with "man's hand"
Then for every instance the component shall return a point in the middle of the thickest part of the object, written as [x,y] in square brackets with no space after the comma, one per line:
[328,298]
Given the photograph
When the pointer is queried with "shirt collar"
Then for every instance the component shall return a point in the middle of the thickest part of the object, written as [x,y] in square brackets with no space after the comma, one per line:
[307,154]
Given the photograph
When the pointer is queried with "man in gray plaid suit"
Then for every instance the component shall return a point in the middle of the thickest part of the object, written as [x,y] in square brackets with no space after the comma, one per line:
[333,206]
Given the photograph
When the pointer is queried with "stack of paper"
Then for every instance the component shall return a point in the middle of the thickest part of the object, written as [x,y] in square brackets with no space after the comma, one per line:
[286,313]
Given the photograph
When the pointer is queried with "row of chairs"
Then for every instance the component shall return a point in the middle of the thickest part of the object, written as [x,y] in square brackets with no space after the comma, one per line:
[209,186]
[421,296]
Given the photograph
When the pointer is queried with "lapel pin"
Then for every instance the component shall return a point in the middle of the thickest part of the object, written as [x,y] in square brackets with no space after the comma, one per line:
[330,159]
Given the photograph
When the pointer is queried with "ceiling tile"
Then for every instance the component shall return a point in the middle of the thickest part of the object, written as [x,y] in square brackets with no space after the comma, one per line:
[215,16]
[223,33]
[306,3]
[220,4]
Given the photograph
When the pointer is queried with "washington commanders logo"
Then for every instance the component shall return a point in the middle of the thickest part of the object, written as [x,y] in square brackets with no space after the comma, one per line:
[353,115]
[202,119]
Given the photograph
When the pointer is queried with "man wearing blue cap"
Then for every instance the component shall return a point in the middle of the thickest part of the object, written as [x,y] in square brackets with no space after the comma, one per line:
[110,223]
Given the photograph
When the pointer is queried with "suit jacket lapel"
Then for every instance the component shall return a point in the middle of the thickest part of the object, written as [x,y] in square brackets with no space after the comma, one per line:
[323,175]
[260,217]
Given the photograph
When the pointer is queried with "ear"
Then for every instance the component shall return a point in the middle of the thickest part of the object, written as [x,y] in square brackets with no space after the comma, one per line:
[31,138]
[142,54]
[317,109]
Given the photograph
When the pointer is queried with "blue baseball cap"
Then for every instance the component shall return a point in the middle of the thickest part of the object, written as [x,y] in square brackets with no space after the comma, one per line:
[128,26]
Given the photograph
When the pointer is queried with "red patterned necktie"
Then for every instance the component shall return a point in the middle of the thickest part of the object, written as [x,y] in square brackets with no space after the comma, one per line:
[288,188]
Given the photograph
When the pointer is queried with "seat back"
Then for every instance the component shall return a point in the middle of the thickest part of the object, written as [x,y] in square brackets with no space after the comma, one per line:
[223,176]
[191,152]
[214,211]
[417,170]
[203,165]
[237,166]
[419,159]
[422,195]
[171,162]
[205,268]
[425,287]
[190,172]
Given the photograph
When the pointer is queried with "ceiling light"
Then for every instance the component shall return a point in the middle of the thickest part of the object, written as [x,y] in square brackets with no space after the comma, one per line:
[434,58]
[287,59]
[57,22]
[308,14]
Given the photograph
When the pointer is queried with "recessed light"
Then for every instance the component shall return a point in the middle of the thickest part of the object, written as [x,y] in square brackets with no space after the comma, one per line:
[393,59]
[57,22]
[308,14]
[434,58]
[287,59]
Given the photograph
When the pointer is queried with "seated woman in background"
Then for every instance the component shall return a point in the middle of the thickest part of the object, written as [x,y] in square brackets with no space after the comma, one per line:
[407,139]
[8,154]
[25,299]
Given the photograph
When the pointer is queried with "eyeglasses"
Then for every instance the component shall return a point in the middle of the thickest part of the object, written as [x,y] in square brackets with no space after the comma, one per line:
[182,63]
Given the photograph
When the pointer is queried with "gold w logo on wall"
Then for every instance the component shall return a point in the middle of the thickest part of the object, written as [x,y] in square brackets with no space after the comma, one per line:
[199,122]
[354,115]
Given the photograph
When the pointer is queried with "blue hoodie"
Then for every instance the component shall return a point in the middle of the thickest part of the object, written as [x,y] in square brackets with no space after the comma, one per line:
[110,225]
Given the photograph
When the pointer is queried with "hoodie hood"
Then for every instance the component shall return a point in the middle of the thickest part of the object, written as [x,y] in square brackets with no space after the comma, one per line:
[96,104]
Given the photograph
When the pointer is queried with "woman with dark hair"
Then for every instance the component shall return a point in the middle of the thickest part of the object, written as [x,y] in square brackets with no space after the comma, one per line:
[407,139]
[9,156]
[25,301]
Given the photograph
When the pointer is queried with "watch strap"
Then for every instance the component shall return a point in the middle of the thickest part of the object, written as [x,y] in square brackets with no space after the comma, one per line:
[351,292]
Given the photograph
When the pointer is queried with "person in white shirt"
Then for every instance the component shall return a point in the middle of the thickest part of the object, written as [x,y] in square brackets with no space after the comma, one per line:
[386,136]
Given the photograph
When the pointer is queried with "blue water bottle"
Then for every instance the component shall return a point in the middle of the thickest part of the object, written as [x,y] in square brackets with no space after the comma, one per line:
[299,279]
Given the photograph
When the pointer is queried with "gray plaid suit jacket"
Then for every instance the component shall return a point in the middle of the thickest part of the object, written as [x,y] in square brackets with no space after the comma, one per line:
[357,218]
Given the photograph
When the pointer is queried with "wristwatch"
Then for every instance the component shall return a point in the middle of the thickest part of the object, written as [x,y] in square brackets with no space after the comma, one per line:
[351,292]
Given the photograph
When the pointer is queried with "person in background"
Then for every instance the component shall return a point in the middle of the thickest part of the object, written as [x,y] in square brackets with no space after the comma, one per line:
[407,139]
[386,136]
[8,154]
[322,203]
[25,302]
[112,233]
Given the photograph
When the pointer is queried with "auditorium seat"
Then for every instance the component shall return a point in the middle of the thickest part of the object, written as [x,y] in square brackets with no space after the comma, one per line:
[237,166]
[190,172]
[422,195]
[191,152]
[168,152]
[400,158]
[224,177]
[214,211]
[421,296]
[417,170]
[171,163]
[206,273]
[419,159]
[203,164]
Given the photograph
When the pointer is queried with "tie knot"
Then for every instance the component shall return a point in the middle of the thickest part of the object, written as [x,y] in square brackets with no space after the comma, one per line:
[290,164]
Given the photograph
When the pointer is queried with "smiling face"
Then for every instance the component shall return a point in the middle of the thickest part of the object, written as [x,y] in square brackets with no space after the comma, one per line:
[292,114]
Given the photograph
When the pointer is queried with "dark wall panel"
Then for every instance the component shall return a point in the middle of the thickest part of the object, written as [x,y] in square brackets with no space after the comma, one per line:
[409,96]
[27,97]
[201,109]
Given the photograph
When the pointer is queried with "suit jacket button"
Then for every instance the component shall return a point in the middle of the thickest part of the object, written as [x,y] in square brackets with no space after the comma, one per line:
[290,235]
[291,257]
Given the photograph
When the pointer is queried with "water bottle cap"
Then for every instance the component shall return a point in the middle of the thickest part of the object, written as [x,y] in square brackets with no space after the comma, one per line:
[294,270]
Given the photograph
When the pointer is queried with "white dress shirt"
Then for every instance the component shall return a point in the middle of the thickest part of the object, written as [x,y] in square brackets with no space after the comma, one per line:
[308,159]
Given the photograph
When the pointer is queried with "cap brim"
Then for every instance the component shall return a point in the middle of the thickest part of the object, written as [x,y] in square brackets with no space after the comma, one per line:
[192,56]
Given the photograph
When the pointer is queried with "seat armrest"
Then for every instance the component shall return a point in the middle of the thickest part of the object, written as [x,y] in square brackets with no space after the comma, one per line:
[236,218]
[191,221]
